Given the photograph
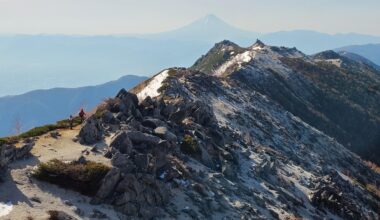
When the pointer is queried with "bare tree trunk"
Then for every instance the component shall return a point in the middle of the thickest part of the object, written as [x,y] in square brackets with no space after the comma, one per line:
[18,126]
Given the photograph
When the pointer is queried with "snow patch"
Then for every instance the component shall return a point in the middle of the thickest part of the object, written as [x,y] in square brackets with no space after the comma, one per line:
[152,88]
[239,59]
[336,62]
[5,208]
[257,48]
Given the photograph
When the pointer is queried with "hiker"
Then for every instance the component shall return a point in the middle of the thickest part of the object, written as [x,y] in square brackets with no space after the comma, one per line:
[71,121]
[82,114]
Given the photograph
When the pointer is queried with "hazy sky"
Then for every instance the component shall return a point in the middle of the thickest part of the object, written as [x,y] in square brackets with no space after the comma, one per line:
[142,16]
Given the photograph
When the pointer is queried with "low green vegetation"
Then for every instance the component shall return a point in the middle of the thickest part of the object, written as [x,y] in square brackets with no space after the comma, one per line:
[172,72]
[99,113]
[82,177]
[190,146]
[37,131]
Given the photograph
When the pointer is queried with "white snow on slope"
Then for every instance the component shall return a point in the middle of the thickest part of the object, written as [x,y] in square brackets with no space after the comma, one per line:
[5,208]
[153,86]
[265,58]
[336,62]
[239,59]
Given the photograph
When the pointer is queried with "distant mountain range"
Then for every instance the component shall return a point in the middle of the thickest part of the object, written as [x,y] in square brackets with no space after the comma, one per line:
[29,62]
[358,58]
[47,106]
[369,51]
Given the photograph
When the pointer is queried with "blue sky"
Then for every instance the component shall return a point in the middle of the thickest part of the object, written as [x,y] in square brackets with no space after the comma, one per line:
[143,16]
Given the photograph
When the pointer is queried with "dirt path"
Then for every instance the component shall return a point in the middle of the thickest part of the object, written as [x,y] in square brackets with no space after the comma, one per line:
[33,198]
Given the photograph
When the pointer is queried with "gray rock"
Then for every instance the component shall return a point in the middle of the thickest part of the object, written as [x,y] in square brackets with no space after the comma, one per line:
[108,117]
[9,153]
[140,137]
[35,199]
[122,142]
[193,214]
[128,181]
[127,96]
[68,203]
[81,160]
[164,133]
[141,161]
[157,113]
[129,101]
[147,102]
[229,170]
[78,211]
[203,114]
[91,132]
[120,161]
[153,123]
[127,196]
[55,134]
[121,116]
[96,214]
[94,149]
[149,213]
[129,209]
[108,183]
[178,116]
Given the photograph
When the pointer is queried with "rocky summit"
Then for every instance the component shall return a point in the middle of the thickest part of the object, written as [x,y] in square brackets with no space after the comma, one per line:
[246,133]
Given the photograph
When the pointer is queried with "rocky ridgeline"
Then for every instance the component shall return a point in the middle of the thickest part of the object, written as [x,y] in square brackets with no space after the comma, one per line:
[148,147]
[206,148]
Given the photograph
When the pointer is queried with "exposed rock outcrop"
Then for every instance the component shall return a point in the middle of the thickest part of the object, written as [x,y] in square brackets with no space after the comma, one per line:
[91,132]
[211,144]
[9,152]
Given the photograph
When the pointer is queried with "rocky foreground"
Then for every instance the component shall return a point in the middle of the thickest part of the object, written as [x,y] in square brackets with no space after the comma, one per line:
[192,145]
[204,149]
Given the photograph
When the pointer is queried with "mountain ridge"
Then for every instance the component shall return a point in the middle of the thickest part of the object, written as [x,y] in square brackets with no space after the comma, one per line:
[222,143]
[306,86]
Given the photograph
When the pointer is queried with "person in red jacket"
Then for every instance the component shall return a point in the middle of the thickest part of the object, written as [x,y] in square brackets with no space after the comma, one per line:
[82,114]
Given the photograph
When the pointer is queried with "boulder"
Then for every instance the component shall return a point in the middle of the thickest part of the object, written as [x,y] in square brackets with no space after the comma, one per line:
[55,134]
[138,137]
[91,132]
[141,162]
[129,209]
[81,160]
[202,114]
[229,170]
[9,153]
[122,142]
[147,102]
[108,183]
[108,117]
[178,116]
[127,96]
[153,123]
[96,214]
[119,160]
[129,101]
[164,133]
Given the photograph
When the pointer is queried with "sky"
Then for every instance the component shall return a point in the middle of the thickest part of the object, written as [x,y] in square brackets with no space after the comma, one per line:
[92,17]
